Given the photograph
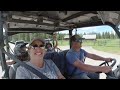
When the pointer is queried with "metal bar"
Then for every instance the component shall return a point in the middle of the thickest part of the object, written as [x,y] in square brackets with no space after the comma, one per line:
[34,22]
[2,55]
[29,22]
[101,16]
[34,14]
[70,35]
[27,30]
[13,33]
[78,14]
[116,29]
[6,39]
[87,24]
[4,65]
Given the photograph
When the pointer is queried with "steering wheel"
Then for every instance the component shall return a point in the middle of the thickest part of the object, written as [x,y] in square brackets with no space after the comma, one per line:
[107,63]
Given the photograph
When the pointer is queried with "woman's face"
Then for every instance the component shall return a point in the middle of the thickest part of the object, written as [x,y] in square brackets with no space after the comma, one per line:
[37,50]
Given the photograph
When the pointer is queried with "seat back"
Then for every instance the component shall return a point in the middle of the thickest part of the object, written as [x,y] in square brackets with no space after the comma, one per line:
[12,70]
[59,58]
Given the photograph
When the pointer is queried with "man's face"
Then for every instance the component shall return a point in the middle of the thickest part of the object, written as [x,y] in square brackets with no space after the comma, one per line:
[76,44]
[48,46]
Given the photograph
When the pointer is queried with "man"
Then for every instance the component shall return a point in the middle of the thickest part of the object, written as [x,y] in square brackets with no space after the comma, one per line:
[49,46]
[20,53]
[75,61]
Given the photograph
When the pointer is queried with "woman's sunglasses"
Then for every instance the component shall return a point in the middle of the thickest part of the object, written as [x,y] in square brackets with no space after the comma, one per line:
[38,46]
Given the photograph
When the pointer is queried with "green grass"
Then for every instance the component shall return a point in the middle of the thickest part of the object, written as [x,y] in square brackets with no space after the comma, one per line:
[107,45]
[63,42]
[114,50]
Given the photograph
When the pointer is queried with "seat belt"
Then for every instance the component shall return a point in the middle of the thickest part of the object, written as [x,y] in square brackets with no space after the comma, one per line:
[74,70]
[33,70]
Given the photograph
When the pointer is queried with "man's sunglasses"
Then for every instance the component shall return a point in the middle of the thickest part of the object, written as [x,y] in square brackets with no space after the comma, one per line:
[38,46]
[78,40]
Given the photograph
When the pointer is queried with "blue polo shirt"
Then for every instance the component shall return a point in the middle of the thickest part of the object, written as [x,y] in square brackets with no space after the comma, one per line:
[71,57]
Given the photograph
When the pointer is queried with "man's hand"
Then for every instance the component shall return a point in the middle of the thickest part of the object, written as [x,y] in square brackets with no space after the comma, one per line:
[106,69]
[108,59]
[55,36]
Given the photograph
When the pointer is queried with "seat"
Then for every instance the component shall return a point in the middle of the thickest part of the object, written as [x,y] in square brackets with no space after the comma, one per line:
[59,58]
[12,70]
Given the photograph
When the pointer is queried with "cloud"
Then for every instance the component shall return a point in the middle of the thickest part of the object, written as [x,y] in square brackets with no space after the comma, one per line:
[89,28]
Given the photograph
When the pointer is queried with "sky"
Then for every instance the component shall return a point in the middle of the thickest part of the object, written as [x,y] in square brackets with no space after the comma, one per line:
[96,29]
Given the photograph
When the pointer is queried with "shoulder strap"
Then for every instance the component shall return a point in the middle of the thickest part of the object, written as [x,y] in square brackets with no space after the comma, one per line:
[74,70]
[48,64]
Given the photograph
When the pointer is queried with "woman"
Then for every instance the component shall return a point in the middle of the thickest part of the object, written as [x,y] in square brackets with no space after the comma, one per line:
[36,51]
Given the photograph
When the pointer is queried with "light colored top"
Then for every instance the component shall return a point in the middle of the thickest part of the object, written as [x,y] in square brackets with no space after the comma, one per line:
[49,69]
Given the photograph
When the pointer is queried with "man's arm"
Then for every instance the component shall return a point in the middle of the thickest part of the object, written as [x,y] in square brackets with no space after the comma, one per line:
[10,62]
[96,57]
[55,39]
[89,68]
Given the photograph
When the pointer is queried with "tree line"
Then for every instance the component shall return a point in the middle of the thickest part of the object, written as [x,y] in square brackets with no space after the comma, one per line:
[29,36]
[104,35]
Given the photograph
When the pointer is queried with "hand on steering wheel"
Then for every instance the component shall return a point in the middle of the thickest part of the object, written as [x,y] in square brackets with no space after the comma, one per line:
[107,64]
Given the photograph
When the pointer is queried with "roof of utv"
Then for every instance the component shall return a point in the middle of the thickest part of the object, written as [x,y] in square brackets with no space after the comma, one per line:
[52,21]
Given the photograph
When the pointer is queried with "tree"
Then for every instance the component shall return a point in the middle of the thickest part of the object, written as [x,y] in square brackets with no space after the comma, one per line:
[84,33]
[116,36]
[98,36]
[107,35]
[103,35]
[112,36]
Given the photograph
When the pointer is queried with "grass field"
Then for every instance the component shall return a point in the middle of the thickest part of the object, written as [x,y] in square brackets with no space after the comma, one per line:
[63,42]
[107,45]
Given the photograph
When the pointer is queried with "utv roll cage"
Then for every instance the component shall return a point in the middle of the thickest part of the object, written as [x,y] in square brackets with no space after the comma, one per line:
[15,22]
